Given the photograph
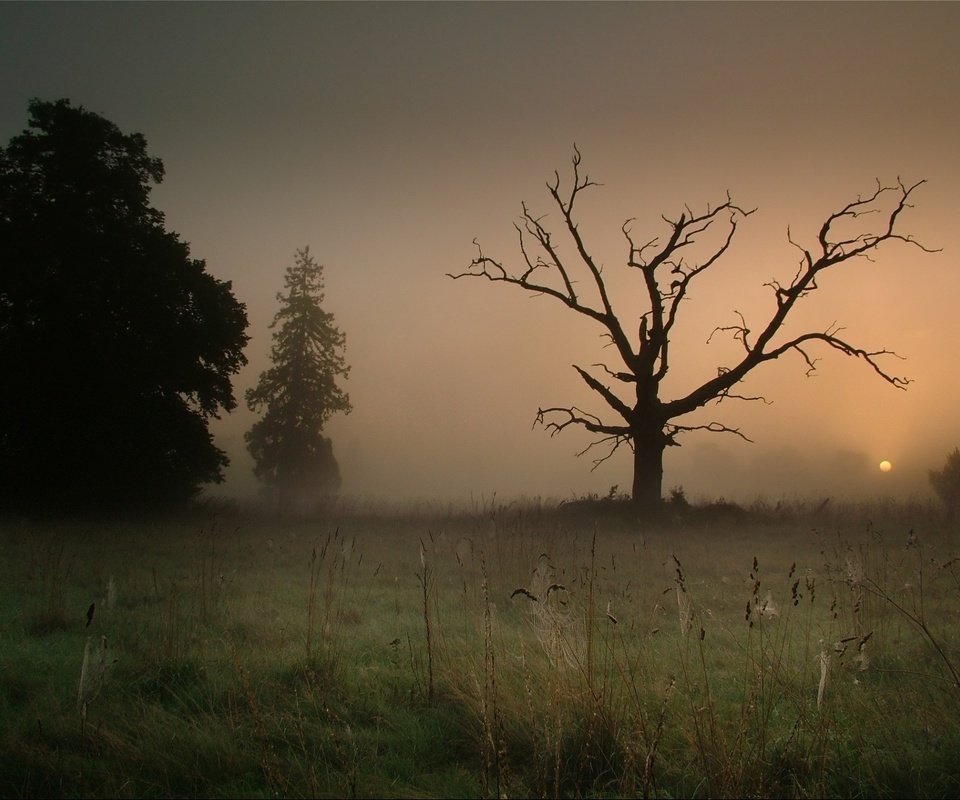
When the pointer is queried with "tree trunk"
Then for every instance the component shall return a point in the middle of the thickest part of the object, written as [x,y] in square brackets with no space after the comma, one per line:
[648,468]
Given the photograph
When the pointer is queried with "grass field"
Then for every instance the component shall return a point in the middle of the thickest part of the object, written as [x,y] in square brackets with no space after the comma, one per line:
[509,651]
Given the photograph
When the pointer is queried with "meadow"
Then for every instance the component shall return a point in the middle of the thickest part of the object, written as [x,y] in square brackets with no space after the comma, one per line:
[506,650]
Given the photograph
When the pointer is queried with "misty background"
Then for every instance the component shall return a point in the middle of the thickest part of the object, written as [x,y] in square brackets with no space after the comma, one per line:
[388,136]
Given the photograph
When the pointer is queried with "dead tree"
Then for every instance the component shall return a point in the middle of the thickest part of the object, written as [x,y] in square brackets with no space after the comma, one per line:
[645,421]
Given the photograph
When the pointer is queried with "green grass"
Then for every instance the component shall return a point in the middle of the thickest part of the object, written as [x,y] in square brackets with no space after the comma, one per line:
[376,655]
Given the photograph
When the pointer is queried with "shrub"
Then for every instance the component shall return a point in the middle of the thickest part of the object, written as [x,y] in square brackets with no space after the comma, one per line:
[946,482]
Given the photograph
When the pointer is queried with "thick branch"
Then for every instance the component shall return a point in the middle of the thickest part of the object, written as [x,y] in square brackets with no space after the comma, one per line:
[835,249]
[552,263]
[566,208]
[665,302]
[613,435]
[610,319]
[626,377]
[830,338]
[494,271]
[612,400]
[672,431]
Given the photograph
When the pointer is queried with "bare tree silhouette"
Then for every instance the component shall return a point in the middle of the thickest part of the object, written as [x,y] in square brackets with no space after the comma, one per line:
[646,422]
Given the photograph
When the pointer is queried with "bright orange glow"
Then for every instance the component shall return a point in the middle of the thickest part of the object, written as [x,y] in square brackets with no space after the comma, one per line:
[885,466]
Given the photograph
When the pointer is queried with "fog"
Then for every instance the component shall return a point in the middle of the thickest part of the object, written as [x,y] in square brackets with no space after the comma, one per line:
[388,136]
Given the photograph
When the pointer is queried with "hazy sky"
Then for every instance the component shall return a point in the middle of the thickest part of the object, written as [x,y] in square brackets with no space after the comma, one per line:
[387,136]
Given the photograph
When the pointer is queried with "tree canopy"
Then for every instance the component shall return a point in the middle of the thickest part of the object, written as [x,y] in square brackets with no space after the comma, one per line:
[117,346]
[946,482]
[299,392]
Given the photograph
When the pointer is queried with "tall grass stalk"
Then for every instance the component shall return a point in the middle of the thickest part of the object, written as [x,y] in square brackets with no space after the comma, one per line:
[494,750]
[110,601]
[331,569]
[649,778]
[425,577]
[208,570]
[917,615]
[93,675]
[269,759]
[314,565]
[51,568]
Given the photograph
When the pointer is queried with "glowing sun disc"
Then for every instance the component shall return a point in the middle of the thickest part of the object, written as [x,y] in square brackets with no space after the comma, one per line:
[885,466]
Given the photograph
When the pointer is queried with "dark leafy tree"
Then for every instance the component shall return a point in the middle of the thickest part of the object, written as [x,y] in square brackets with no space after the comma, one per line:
[117,347]
[299,393]
[946,482]
[666,268]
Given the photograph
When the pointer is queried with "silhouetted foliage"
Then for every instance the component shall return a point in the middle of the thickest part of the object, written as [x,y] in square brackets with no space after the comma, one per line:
[666,268]
[946,482]
[678,498]
[299,393]
[117,347]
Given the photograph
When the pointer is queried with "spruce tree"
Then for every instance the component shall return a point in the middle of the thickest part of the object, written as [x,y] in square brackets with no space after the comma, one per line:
[299,393]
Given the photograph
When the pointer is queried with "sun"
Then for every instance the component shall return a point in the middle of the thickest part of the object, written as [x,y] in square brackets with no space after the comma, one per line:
[885,466]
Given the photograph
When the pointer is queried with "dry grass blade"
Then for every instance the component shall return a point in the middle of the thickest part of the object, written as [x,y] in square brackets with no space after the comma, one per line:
[93,674]
[824,659]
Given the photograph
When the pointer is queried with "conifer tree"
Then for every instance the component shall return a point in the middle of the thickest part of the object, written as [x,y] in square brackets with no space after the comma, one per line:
[299,393]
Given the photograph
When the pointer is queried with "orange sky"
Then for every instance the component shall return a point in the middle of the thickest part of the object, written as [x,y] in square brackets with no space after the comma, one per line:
[388,136]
